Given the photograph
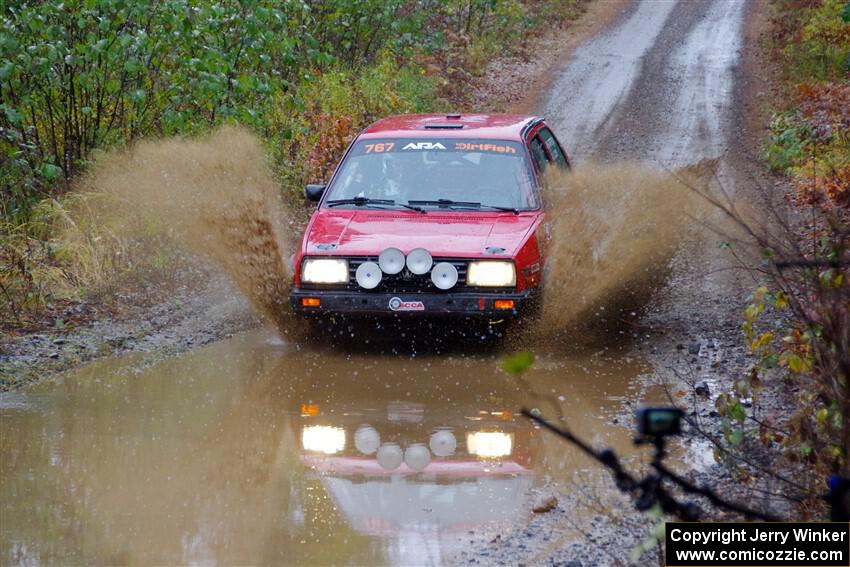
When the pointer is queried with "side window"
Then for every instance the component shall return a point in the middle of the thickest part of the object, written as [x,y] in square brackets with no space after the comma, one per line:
[554,149]
[539,154]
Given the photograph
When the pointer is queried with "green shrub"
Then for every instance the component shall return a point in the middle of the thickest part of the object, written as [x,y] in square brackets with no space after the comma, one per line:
[80,75]
[308,139]
[786,144]
[820,49]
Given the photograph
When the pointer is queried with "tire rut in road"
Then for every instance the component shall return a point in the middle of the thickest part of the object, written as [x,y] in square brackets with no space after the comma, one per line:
[657,87]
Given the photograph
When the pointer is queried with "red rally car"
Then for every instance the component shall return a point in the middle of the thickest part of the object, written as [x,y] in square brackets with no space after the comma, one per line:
[431,215]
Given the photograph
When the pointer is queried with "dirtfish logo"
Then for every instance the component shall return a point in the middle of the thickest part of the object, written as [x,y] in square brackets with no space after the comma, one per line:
[424,146]
[396,304]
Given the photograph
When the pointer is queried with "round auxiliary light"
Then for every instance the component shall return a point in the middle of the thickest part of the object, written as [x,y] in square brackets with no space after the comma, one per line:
[366,439]
[419,261]
[444,275]
[390,456]
[443,443]
[391,261]
[368,275]
[417,457]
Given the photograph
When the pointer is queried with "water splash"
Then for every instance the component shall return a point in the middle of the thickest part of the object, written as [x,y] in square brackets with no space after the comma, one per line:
[215,196]
[615,228]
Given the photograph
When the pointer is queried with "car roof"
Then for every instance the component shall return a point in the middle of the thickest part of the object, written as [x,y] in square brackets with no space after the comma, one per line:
[487,126]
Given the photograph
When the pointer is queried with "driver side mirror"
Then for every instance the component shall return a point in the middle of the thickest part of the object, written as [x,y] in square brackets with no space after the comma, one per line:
[314,192]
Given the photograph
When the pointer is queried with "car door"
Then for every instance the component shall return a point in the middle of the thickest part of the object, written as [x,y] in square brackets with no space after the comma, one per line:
[553,148]
[542,160]
[539,155]
[545,149]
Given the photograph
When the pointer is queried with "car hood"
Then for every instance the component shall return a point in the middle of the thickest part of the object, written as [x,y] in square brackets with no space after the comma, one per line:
[459,234]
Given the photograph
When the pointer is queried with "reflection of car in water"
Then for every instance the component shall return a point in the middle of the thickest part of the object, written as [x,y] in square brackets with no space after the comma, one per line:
[431,215]
[417,474]
[208,463]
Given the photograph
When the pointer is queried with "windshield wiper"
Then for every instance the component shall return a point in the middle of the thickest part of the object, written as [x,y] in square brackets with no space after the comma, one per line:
[363,201]
[448,203]
[445,203]
[412,208]
[513,210]
[360,201]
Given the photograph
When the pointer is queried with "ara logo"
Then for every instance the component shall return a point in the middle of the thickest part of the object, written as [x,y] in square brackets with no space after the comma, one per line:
[396,304]
[424,146]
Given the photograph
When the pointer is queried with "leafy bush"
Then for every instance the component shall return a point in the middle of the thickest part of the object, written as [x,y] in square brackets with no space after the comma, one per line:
[810,142]
[786,144]
[798,322]
[77,76]
[798,325]
[812,38]
[822,50]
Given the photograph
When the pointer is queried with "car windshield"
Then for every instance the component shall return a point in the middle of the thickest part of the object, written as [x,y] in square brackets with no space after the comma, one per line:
[439,173]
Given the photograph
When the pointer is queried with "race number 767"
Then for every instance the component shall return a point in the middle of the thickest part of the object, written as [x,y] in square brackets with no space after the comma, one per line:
[379,148]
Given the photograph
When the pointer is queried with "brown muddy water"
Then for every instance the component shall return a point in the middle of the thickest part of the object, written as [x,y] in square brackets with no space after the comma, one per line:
[253,451]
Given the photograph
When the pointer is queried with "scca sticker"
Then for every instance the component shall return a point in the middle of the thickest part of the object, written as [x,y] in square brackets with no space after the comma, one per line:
[396,304]
[424,146]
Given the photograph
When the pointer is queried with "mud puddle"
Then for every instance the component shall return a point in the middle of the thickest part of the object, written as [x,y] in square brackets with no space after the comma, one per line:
[251,451]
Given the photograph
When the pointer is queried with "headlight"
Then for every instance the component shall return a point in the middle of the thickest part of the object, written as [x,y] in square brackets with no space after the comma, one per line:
[323,439]
[489,444]
[491,274]
[324,271]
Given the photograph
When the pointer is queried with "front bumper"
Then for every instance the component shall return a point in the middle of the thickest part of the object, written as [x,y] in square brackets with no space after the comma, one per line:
[466,304]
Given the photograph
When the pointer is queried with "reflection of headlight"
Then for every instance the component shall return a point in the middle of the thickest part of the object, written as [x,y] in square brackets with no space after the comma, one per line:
[324,271]
[323,439]
[489,443]
[491,274]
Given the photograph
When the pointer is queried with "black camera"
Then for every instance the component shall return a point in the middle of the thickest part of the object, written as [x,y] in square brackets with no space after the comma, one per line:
[659,422]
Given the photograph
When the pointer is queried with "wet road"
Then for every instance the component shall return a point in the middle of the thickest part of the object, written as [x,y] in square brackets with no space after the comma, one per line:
[664,85]
[250,451]
[657,86]
[254,452]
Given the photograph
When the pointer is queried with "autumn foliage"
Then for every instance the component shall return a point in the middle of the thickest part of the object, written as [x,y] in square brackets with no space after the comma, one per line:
[334,135]
[797,321]
[809,140]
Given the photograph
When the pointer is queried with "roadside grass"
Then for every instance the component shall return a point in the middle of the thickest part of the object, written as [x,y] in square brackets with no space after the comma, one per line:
[67,252]
[29,267]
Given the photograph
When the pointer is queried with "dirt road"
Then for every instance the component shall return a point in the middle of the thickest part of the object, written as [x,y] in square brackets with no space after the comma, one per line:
[664,85]
[657,87]
[255,451]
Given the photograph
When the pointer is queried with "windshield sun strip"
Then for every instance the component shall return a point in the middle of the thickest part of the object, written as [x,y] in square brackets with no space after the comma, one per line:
[406,145]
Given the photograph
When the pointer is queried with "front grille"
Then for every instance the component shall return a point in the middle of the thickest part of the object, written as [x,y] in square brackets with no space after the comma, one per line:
[402,282]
